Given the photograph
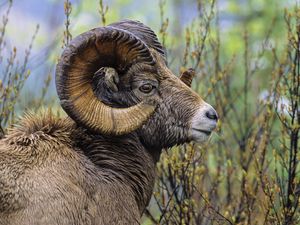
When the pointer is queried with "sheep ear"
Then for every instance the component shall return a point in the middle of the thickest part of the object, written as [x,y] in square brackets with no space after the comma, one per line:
[187,76]
[111,77]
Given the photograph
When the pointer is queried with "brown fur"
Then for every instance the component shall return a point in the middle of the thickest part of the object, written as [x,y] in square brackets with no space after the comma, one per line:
[46,178]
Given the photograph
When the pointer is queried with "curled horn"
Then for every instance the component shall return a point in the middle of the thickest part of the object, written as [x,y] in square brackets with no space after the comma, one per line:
[187,76]
[100,47]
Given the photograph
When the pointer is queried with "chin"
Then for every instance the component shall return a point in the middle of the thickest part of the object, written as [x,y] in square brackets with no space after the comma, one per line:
[200,137]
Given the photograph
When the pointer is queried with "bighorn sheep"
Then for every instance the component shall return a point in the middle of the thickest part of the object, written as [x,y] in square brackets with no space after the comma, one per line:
[97,166]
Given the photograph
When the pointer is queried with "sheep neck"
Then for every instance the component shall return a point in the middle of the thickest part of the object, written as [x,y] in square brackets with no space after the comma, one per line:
[125,159]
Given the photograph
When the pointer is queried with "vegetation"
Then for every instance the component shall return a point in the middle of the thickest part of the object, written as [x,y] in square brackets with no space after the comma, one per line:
[249,70]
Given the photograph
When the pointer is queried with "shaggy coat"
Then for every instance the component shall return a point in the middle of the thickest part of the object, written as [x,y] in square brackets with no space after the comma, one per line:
[54,172]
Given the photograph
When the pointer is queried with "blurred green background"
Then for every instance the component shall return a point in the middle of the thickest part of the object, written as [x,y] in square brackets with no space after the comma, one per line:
[234,16]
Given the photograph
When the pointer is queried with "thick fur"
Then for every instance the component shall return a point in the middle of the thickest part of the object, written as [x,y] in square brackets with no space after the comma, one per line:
[53,172]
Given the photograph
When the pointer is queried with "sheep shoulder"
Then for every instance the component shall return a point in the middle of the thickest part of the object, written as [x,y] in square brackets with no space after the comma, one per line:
[31,145]
[33,129]
[45,178]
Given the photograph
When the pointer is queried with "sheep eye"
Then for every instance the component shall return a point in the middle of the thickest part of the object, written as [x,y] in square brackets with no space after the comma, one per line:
[146,88]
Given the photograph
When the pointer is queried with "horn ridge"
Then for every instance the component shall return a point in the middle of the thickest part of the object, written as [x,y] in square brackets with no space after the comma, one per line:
[143,32]
[100,47]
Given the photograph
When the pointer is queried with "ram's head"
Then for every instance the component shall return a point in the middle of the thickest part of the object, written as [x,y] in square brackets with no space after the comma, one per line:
[114,80]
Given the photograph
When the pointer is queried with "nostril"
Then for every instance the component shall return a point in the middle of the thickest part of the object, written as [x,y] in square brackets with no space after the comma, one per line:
[212,114]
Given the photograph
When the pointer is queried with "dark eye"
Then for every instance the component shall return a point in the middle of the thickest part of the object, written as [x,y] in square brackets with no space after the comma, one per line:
[146,88]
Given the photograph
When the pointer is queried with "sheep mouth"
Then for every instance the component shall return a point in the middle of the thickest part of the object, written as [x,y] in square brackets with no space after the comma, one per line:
[206,132]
